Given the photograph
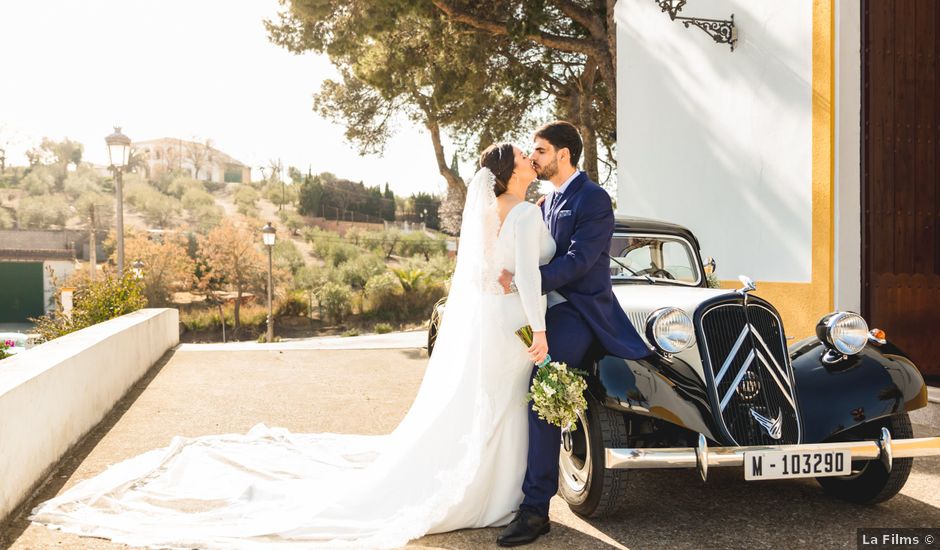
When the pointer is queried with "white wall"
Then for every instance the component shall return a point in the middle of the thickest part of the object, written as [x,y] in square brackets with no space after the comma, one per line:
[720,141]
[53,394]
[848,177]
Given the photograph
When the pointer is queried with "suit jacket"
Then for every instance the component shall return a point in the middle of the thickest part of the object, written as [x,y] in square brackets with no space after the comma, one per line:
[582,223]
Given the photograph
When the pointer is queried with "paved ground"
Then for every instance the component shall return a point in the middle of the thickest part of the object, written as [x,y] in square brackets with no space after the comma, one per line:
[194,393]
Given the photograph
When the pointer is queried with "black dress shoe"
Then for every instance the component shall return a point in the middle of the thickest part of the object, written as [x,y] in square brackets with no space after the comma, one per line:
[524,528]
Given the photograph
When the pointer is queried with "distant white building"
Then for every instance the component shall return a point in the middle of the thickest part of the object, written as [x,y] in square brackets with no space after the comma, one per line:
[202,162]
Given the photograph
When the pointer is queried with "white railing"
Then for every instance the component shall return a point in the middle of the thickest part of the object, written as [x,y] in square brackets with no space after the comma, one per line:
[55,393]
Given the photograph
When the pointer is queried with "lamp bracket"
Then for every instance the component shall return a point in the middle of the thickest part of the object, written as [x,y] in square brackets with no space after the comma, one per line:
[722,31]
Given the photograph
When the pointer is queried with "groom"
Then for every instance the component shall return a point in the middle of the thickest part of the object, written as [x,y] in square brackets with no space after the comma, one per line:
[582,310]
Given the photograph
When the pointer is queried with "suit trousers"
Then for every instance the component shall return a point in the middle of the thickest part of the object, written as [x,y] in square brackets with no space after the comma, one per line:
[569,340]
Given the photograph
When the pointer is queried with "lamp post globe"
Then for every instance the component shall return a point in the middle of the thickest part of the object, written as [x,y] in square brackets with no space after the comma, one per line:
[138,269]
[268,235]
[119,147]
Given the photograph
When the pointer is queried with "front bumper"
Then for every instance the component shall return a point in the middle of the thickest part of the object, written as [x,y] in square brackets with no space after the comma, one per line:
[703,457]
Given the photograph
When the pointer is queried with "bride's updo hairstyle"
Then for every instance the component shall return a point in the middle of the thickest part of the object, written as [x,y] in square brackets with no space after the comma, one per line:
[500,158]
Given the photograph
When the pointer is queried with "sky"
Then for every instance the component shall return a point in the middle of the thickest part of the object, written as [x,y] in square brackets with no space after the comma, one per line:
[186,69]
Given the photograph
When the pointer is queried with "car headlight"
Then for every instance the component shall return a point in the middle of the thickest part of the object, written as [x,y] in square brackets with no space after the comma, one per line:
[670,329]
[843,331]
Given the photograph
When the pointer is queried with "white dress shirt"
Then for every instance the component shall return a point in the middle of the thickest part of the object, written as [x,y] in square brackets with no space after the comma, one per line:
[554,298]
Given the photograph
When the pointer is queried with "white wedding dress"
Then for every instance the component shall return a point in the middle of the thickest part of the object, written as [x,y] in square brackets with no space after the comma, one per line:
[457,459]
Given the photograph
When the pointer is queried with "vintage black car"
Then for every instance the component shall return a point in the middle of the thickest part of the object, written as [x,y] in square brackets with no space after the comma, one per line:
[725,390]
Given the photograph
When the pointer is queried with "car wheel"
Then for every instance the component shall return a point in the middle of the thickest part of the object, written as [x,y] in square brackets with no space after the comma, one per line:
[870,482]
[589,488]
[432,339]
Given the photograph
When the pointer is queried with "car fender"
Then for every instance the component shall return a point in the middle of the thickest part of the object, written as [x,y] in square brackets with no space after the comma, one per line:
[833,397]
[668,389]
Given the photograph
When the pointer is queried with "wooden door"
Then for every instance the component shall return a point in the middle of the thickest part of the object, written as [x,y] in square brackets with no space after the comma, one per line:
[900,178]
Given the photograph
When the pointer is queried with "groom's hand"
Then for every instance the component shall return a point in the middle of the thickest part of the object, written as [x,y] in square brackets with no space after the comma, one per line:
[505,279]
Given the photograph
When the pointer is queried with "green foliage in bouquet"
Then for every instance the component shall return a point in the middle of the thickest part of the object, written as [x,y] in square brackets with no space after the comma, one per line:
[557,392]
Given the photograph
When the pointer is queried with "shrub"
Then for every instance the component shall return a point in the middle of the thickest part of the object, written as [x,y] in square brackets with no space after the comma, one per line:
[335,300]
[383,328]
[293,220]
[382,292]
[351,332]
[253,316]
[245,194]
[416,305]
[294,305]
[206,217]
[194,198]
[410,279]
[287,256]
[6,219]
[42,212]
[336,253]
[438,269]
[357,271]
[81,181]
[182,185]
[713,281]
[157,209]
[39,181]
[417,243]
[93,302]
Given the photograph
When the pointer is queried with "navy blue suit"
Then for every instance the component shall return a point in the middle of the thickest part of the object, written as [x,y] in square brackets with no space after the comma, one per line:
[582,223]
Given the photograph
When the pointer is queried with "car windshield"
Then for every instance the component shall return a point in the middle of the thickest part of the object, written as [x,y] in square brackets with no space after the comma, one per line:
[660,258]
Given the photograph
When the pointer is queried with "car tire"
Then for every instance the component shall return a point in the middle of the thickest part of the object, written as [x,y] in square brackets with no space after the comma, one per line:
[589,488]
[432,339]
[871,482]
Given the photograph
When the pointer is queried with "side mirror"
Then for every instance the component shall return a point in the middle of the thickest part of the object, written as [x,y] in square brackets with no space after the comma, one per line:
[709,266]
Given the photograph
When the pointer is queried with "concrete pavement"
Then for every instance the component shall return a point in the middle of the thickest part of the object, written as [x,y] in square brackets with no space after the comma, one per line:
[194,392]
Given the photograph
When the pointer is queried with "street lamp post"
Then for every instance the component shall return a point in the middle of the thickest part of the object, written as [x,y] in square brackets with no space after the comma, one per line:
[3,160]
[268,234]
[119,147]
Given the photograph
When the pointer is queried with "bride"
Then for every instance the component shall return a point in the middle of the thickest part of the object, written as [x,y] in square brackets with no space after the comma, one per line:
[457,460]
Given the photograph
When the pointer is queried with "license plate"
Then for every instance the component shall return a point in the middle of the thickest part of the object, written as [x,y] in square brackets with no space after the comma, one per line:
[794,464]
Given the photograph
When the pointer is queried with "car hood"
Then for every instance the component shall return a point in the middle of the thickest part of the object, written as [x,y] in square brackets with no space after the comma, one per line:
[638,301]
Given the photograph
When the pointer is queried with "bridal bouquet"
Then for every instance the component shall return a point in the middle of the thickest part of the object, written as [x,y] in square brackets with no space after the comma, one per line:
[557,392]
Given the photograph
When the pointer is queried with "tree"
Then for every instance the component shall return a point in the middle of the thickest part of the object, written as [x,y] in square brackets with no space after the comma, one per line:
[138,161]
[404,57]
[200,155]
[59,154]
[388,205]
[425,208]
[537,58]
[167,267]
[310,196]
[232,260]
[577,46]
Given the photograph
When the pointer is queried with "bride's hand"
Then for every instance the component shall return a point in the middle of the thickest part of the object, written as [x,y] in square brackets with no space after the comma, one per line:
[505,279]
[539,349]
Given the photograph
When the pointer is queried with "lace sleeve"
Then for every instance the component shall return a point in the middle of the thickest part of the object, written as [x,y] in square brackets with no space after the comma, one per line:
[527,276]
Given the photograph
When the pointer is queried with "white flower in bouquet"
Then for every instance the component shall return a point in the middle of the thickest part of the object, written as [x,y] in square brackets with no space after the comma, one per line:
[557,392]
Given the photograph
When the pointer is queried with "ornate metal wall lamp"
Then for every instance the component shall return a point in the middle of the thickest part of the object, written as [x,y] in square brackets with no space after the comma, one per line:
[722,31]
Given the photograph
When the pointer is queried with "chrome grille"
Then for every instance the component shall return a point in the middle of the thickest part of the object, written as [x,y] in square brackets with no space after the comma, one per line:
[751,375]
